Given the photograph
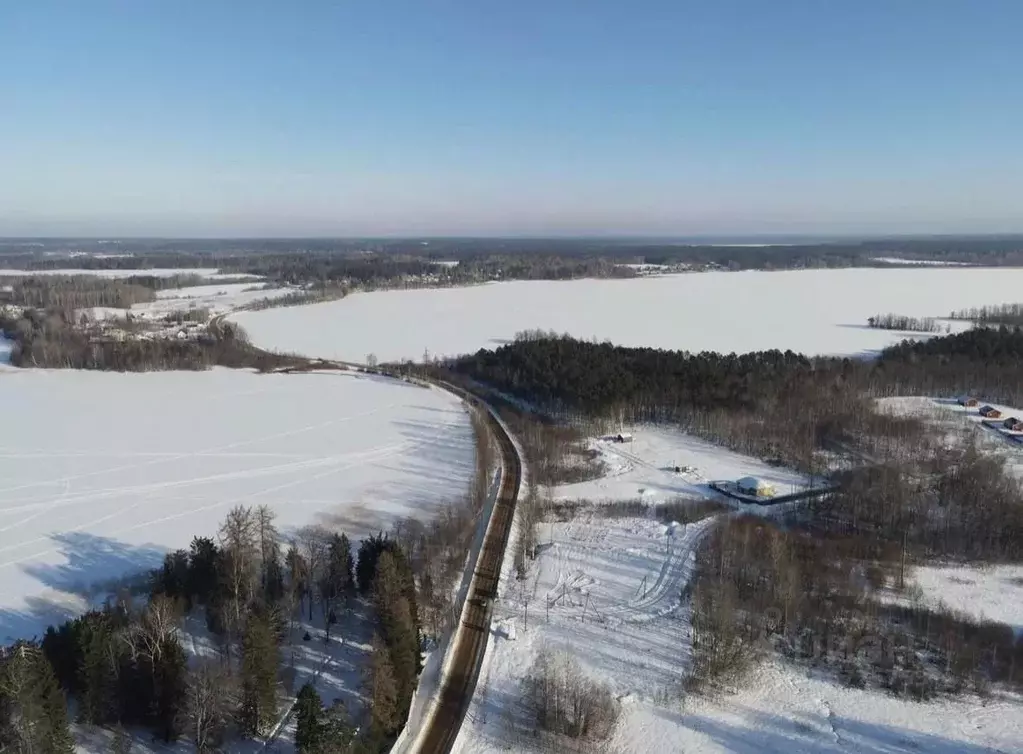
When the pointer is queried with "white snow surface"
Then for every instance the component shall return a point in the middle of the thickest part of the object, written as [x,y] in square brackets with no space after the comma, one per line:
[919,262]
[993,593]
[645,468]
[102,473]
[782,711]
[159,272]
[607,592]
[218,299]
[810,311]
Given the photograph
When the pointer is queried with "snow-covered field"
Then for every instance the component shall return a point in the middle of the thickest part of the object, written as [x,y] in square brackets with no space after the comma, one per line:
[216,299]
[919,262]
[780,710]
[811,311]
[992,593]
[645,469]
[102,473]
[158,272]
[607,591]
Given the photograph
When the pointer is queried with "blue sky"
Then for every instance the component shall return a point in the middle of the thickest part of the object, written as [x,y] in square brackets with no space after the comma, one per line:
[210,117]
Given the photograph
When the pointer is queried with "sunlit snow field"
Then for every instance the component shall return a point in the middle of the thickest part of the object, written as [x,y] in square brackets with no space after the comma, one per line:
[812,311]
[102,473]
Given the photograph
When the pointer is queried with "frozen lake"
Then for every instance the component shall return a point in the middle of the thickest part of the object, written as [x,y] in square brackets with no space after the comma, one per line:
[811,311]
[102,473]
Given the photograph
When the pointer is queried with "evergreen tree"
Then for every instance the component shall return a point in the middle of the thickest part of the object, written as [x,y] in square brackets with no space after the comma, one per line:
[273,579]
[97,678]
[369,553]
[308,710]
[385,716]
[203,563]
[394,599]
[172,579]
[338,578]
[170,685]
[35,719]
[337,734]
[259,675]
[62,647]
[298,575]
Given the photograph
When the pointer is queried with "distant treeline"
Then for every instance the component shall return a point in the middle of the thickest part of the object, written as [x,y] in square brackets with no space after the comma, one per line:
[903,322]
[309,260]
[69,292]
[52,340]
[1001,314]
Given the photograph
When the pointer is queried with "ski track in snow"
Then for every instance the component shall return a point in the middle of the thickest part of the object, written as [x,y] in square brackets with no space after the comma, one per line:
[95,495]
[613,603]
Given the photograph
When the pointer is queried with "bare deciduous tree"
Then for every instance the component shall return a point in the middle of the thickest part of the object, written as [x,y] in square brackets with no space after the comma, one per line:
[209,703]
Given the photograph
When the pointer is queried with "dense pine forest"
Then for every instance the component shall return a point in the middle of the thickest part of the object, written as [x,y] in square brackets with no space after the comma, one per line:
[814,588]
[561,375]
[797,410]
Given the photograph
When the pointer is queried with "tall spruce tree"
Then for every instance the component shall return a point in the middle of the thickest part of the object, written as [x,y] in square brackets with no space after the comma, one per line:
[97,677]
[382,690]
[338,581]
[394,599]
[170,687]
[308,711]
[35,711]
[260,661]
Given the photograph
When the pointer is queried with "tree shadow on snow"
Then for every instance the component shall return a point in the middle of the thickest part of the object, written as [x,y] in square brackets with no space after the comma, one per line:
[93,567]
[95,564]
[814,735]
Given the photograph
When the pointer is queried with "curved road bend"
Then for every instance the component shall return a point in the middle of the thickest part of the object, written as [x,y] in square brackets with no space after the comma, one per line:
[458,685]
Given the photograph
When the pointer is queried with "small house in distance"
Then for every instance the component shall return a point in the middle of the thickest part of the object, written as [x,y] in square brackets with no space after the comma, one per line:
[1013,424]
[967,401]
[754,487]
[990,412]
[623,437]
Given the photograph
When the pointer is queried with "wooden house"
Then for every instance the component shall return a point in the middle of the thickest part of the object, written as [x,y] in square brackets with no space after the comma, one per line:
[1013,424]
[990,412]
[967,401]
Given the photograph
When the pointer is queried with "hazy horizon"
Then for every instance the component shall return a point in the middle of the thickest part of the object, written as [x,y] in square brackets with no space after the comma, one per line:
[584,119]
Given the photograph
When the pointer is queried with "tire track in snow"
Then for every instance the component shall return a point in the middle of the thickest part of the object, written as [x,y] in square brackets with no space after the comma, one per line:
[197,453]
[338,465]
[666,593]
